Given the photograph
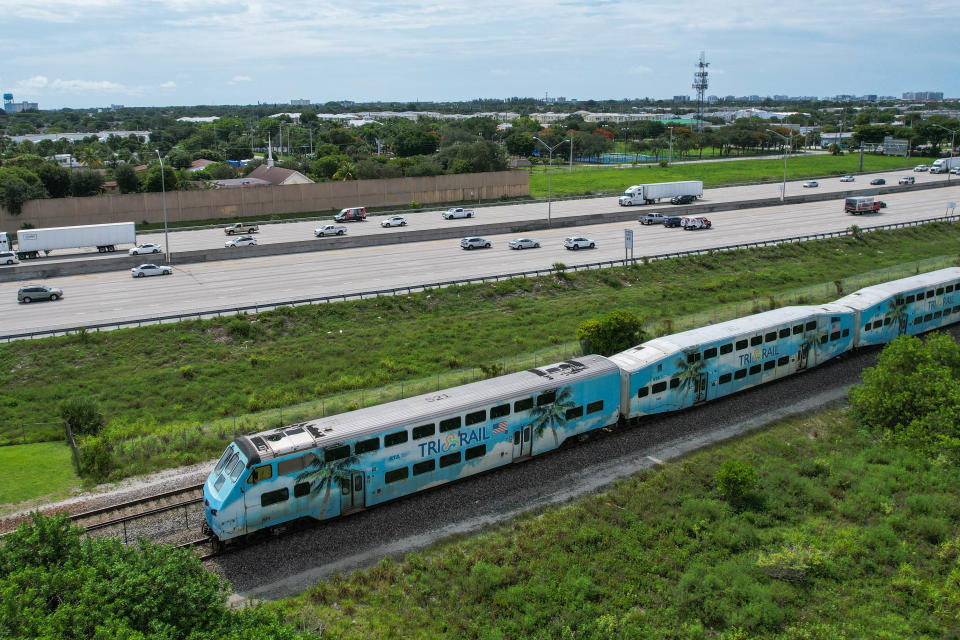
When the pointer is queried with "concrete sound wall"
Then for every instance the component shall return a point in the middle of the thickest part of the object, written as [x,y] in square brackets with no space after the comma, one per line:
[262,201]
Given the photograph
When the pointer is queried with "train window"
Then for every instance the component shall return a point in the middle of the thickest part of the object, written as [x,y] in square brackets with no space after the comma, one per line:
[810,326]
[930,293]
[337,453]
[835,335]
[274,497]
[936,314]
[949,288]
[769,364]
[475,452]
[770,337]
[867,326]
[693,357]
[219,483]
[741,344]
[845,333]
[546,398]
[395,438]
[572,414]
[887,321]
[918,320]
[740,374]
[899,300]
[946,311]
[920,296]
[835,319]
[424,467]
[755,340]
[674,383]
[259,474]
[755,369]
[823,339]
[301,489]
[797,328]
[710,353]
[424,431]
[367,445]
[475,417]
[928,317]
[235,470]
[643,392]
[784,333]
[785,360]
[499,411]
[658,387]
[956,309]
[450,459]
[223,460]
[940,291]
[396,475]
[522,405]
[879,323]
[596,406]
[726,348]
[292,465]
[449,424]
[725,378]
[908,300]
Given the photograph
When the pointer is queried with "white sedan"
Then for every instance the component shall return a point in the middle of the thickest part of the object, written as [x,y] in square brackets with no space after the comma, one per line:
[523,243]
[847,179]
[151,270]
[242,241]
[145,248]
[394,221]
[811,183]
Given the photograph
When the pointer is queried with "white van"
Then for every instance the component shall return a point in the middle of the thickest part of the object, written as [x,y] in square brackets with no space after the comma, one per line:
[351,214]
[8,257]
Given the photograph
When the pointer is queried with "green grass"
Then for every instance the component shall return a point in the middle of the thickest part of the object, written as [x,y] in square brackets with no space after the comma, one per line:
[845,537]
[34,470]
[587,180]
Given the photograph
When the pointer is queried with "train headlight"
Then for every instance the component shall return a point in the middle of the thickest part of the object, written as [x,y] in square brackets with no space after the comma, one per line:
[213,512]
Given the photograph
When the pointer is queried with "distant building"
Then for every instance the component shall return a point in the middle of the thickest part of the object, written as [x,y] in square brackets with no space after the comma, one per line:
[18,107]
[279,176]
[923,95]
[206,119]
[681,98]
[114,107]
[232,183]
[200,163]
[300,103]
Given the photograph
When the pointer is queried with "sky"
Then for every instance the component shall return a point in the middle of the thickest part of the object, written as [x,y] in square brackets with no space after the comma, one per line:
[89,53]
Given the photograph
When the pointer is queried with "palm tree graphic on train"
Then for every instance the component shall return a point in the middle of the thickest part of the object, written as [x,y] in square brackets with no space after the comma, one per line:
[553,414]
[810,340]
[689,370]
[322,475]
[897,311]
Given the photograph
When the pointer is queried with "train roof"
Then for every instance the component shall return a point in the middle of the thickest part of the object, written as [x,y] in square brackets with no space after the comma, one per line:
[410,412]
[658,348]
[869,296]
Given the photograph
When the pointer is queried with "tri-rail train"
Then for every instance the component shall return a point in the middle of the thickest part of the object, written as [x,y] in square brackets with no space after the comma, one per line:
[339,464]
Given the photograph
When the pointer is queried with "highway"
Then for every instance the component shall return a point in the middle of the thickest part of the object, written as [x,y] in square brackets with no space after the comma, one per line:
[104,297]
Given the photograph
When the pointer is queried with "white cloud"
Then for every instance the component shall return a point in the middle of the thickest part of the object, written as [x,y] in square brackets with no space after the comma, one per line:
[41,84]
[238,79]
[169,84]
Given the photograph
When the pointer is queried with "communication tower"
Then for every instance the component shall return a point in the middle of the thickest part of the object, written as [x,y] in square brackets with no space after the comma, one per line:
[700,86]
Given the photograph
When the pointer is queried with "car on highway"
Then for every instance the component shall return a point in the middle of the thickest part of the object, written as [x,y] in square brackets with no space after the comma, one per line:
[474,243]
[574,244]
[907,180]
[692,223]
[921,167]
[955,171]
[523,243]
[457,212]
[8,257]
[847,179]
[672,221]
[878,181]
[145,248]
[34,292]
[242,241]
[151,270]
[684,199]
[811,183]
[394,221]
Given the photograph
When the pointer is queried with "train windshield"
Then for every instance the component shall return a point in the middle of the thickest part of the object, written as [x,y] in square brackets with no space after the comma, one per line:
[223,460]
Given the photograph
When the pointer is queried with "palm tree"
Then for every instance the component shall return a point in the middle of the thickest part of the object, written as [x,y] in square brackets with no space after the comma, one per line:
[897,310]
[322,475]
[554,414]
[689,372]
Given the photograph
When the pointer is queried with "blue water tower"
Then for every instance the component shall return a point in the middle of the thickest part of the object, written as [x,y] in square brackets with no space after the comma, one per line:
[7,101]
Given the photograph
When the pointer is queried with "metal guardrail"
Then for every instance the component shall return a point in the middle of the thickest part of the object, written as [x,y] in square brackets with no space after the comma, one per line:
[375,293]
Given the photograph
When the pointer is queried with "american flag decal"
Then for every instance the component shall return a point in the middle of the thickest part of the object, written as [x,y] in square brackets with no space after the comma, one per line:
[501,427]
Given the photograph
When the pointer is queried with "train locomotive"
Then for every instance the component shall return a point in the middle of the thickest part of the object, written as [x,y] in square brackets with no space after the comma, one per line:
[340,464]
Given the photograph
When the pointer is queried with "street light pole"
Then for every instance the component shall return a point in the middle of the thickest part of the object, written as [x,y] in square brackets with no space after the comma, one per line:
[550,174]
[163,198]
[671,146]
[571,152]
[783,189]
[953,137]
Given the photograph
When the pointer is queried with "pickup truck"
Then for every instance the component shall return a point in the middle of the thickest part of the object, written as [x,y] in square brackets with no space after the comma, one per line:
[241,228]
[457,212]
[651,218]
[330,230]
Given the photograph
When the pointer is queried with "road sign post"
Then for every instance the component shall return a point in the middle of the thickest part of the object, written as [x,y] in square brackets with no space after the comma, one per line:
[627,245]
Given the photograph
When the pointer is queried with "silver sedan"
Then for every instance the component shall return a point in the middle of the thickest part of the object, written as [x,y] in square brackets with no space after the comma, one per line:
[151,270]
[524,243]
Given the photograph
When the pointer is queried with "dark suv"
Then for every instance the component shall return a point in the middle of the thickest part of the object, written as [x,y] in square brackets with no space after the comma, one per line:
[687,199]
[671,221]
[38,292]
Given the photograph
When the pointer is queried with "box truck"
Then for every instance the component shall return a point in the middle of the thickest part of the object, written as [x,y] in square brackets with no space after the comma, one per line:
[650,193]
[105,237]
[944,165]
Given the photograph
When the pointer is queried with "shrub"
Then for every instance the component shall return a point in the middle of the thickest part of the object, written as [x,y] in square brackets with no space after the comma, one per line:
[413,204]
[616,331]
[736,480]
[83,414]
[188,372]
[793,563]
[492,370]
[96,457]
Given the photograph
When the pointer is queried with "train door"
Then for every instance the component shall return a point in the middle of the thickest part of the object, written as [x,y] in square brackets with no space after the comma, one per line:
[352,495]
[802,354]
[522,442]
[700,388]
[265,498]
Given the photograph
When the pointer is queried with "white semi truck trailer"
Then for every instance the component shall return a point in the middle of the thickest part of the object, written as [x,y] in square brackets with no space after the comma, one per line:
[105,237]
[650,193]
